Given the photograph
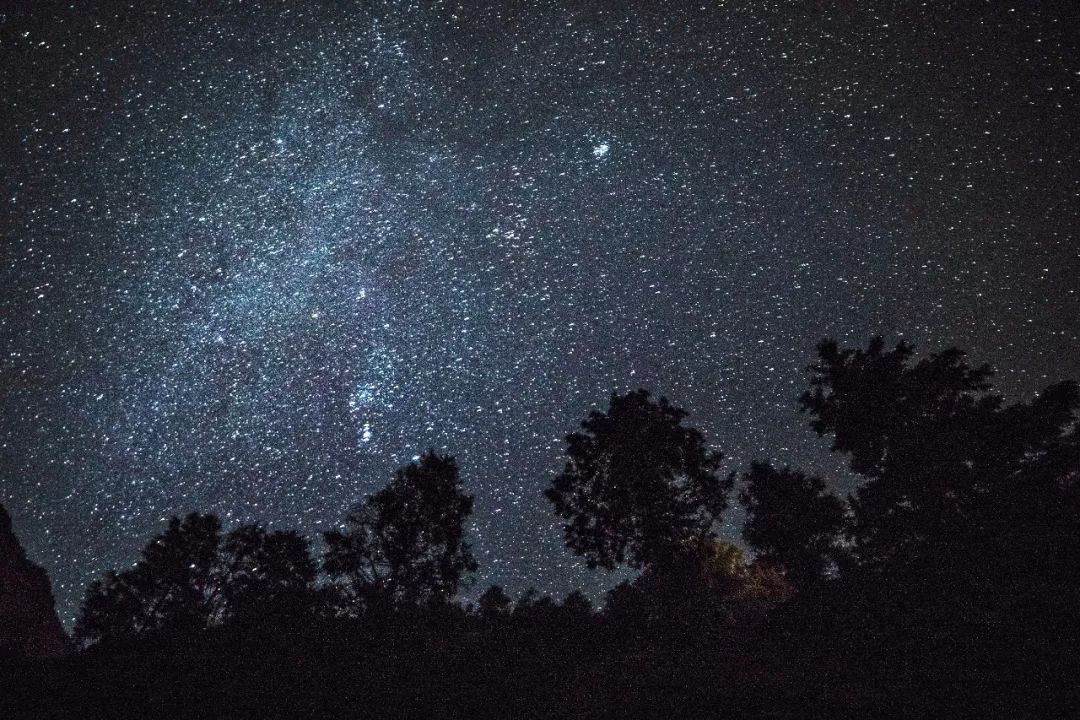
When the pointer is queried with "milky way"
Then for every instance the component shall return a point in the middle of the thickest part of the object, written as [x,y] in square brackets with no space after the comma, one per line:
[258,254]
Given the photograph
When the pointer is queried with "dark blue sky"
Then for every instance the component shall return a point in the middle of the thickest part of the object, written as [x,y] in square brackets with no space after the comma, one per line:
[255,255]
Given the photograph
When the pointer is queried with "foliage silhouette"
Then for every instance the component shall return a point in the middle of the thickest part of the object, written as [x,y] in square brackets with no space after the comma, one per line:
[638,486]
[267,576]
[189,579]
[964,533]
[792,522]
[494,603]
[711,588]
[406,543]
[948,466]
[577,603]
[171,588]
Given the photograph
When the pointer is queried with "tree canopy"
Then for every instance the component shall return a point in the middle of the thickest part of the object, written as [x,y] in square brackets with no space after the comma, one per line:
[792,522]
[189,578]
[406,543]
[638,486]
[947,464]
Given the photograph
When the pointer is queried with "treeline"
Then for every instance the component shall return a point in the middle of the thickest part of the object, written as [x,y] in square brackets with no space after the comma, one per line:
[944,585]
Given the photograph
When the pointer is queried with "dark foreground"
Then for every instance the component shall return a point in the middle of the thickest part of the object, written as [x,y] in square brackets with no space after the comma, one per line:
[560,666]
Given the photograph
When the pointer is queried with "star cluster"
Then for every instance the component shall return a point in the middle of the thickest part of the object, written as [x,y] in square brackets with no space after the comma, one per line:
[255,255]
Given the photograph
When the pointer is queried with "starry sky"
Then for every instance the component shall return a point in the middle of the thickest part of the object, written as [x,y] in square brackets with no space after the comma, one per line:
[256,254]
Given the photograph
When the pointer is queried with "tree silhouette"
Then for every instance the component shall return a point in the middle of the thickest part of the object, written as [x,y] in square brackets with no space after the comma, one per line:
[712,585]
[189,578]
[638,486]
[913,431]
[792,522]
[494,603]
[535,609]
[577,604]
[265,575]
[947,466]
[406,543]
[170,588]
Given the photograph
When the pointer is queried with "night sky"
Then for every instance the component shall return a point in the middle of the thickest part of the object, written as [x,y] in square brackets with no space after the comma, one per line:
[255,255]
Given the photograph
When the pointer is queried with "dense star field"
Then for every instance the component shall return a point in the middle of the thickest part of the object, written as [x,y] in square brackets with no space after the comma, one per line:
[256,255]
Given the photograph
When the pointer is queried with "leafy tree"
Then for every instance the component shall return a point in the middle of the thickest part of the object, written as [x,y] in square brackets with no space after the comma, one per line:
[964,530]
[533,605]
[913,430]
[494,603]
[266,573]
[406,543]
[171,588]
[792,522]
[113,607]
[638,486]
[577,604]
[885,413]
[190,578]
[948,466]
[764,587]
[711,586]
